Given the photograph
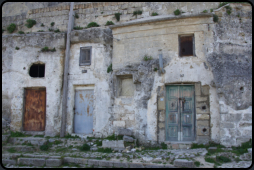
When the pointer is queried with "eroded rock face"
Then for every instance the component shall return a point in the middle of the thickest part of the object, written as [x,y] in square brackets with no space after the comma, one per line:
[231,60]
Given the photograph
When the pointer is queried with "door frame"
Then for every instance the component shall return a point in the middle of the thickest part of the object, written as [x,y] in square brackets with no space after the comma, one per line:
[24,106]
[194,114]
[82,87]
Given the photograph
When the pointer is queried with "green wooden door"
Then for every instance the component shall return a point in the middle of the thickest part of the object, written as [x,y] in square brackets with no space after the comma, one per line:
[180,113]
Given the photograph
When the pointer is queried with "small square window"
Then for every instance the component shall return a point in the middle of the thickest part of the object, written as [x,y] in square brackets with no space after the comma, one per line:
[186,45]
[85,56]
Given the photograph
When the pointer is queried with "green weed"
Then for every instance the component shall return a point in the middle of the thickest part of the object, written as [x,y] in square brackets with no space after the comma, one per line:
[30,23]
[155,69]
[211,10]
[17,48]
[154,14]
[110,23]
[177,12]
[117,16]
[146,58]
[215,18]
[11,150]
[111,137]
[11,28]
[223,159]
[3,30]
[197,163]
[109,68]
[42,25]
[46,49]
[52,24]
[84,147]
[76,15]
[56,30]
[19,134]
[138,12]
[69,136]
[21,32]
[205,11]
[92,24]
[77,28]
[104,150]
[40,136]
[164,146]
[40,31]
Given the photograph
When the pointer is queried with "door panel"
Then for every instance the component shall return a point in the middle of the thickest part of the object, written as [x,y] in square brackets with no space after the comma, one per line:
[83,114]
[35,107]
[180,113]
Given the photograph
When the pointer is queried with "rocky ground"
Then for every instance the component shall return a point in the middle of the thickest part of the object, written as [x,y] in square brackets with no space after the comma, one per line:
[36,151]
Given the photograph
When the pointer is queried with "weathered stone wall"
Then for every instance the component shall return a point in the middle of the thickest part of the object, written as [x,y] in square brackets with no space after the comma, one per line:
[99,12]
[231,63]
[95,78]
[15,75]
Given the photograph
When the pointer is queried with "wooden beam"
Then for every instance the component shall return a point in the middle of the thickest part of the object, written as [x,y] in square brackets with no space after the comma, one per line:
[66,70]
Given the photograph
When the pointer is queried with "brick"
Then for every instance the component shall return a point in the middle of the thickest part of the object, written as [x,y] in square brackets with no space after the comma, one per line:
[233,117]
[205,89]
[200,131]
[201,99]
[247,117]
[203,116]
[123,131]
[183,163]
[53,162]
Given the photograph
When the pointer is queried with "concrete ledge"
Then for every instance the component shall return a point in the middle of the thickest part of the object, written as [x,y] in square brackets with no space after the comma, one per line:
[183,163]
[159,18]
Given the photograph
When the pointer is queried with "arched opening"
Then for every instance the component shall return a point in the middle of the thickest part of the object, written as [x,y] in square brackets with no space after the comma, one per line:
[37,70]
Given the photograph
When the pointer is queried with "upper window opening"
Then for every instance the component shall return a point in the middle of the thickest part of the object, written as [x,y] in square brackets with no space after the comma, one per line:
[37,70]
[85,56]
[186,45]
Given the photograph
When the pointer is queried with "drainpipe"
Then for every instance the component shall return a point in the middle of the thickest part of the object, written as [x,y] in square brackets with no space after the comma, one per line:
[66,70]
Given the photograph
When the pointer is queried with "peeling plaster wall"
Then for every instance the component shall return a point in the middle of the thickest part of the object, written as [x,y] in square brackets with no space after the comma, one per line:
[15,76]
[96,77]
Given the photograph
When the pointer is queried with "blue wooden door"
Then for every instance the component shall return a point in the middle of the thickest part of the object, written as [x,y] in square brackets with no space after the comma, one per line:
[83,114]
[180,113]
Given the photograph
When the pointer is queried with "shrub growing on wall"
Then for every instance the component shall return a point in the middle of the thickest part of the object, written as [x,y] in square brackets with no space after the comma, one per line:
[117,15]
[110,23]
[11,28]
[92,24]
[30,23]
[177,12]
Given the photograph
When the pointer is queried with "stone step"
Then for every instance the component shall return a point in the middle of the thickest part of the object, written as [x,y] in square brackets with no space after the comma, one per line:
[33,140]
[20,148]
[5,137]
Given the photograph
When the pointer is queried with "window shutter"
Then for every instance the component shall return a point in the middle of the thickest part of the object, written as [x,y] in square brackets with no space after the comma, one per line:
[85,56]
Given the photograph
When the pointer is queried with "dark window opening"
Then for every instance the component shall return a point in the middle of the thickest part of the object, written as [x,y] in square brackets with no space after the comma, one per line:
[186,45]
[37,70]
[85,56]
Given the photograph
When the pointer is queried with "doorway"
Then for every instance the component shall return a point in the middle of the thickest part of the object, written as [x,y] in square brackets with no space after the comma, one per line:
[35,109]
[180,113]
[83,111]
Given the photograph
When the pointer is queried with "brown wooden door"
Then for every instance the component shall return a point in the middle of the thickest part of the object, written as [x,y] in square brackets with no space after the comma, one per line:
[35,107]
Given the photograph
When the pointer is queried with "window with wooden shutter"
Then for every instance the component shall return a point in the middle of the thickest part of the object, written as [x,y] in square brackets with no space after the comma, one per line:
[186,45]
[85,56]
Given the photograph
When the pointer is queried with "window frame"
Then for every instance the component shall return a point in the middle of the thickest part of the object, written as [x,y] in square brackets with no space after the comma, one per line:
[38,73]
[85,48]
[193,45]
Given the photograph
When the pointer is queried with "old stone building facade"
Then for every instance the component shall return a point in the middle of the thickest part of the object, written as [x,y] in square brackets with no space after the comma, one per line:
[174,79]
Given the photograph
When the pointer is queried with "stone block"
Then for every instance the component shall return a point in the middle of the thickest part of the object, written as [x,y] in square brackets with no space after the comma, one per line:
[32,161]
[201,99]
[203,139]
[197,89]
[183,163]
[123,131]
[227,125]
[119,123]
[203,116]
[223,108]
[245,124]
[113,144]
[175,146]
[212,148]
[93,162]
[106,164]
[162,116]
[162,135]
[247,117]
[8,161]
[205,89]
[120,165]
[136,165]
[233,117]
[153,166]
[161,125]
[203,131]
[53,162]
[203,123]
[127,139]
[161,103]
